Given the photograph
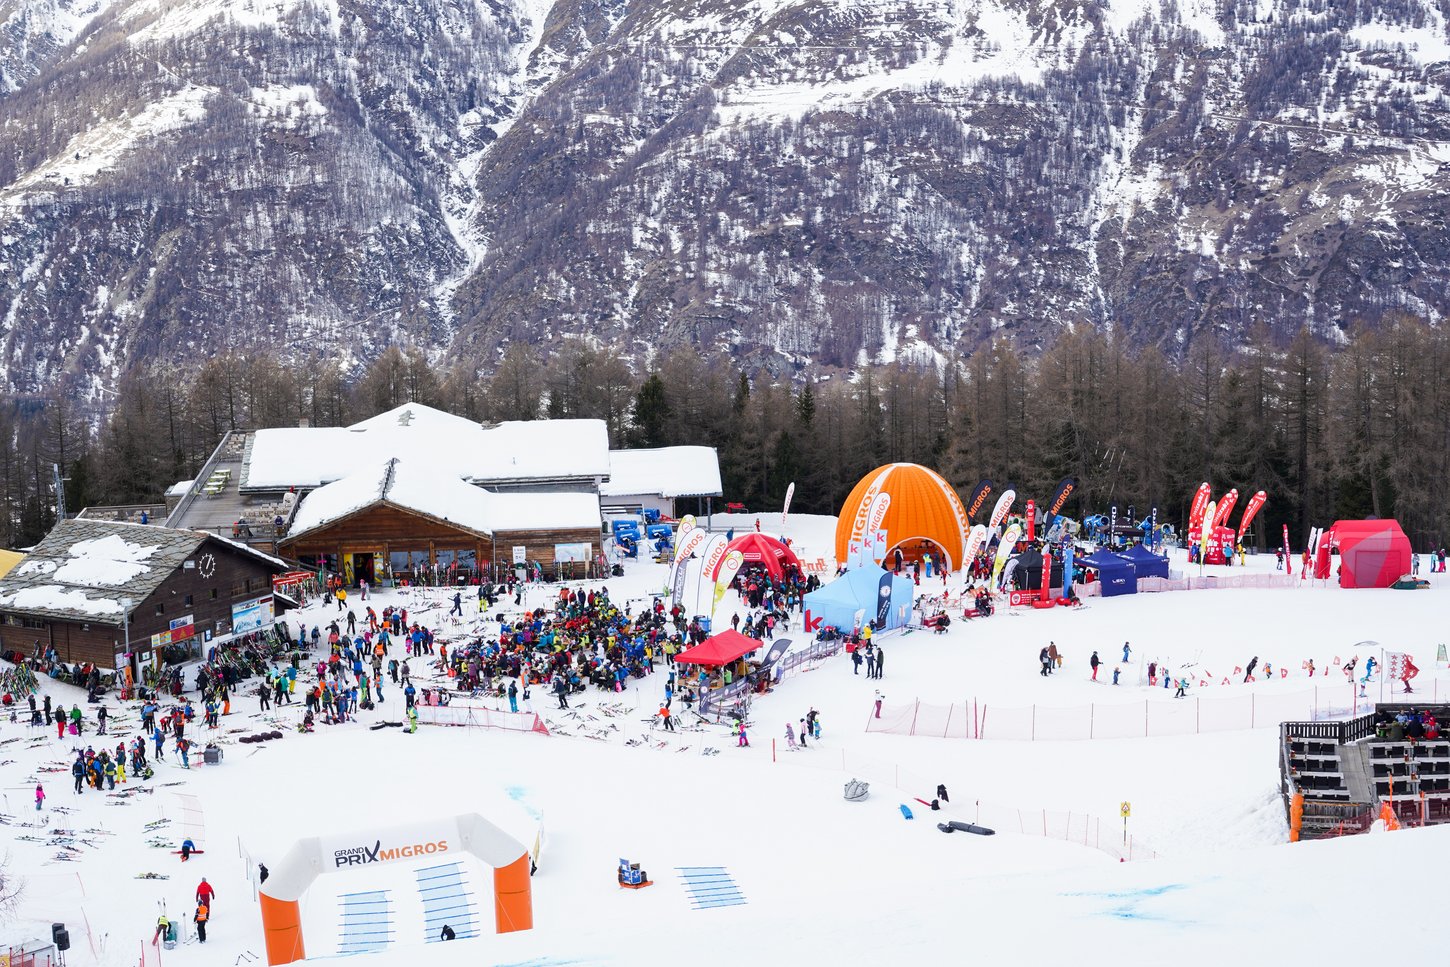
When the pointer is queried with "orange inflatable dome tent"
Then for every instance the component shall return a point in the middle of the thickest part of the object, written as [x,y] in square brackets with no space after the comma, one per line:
[925,514]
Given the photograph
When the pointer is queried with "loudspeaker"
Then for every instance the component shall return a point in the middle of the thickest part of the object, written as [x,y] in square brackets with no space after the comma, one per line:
[60,937]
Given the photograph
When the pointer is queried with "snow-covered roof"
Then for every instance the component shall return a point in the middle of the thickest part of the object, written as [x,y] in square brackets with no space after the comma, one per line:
[179,488]
[533,450]
[667,471]
[422,488]
[83,568]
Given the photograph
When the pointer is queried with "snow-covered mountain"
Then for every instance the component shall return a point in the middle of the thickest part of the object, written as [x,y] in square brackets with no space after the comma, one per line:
[828,180]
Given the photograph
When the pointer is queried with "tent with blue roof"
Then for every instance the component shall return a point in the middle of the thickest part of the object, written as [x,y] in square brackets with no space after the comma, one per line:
[835,605]
[1149,565]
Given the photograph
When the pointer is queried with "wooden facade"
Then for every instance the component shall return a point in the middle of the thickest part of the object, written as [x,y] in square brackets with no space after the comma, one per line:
[384,539]
[235,577]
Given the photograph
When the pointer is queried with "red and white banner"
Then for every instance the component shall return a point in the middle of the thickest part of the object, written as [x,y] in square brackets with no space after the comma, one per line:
[1255,502]
[1288,555]
[1200,504]
[1003,508]
[1031,513]
[1225,507]
[785,508]
[691,543]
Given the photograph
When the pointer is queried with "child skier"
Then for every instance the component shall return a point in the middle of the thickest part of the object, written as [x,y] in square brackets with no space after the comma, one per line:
[39,797]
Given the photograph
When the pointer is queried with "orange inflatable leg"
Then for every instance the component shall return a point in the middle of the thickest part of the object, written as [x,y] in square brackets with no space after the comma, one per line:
[282,927]
[513,903]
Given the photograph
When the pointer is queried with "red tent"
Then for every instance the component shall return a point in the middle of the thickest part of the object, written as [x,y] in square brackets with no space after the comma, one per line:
[1372,553]
[762,549]
[721,649]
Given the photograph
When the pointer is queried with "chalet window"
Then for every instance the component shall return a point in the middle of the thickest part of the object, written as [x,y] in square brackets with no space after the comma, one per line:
[212,594]
[187,600]
[161,609]
[248,583]
[238,591]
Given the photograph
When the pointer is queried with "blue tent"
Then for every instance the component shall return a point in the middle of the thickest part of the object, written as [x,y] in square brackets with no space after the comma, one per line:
[1116,574]
[836,604]
[1149,565]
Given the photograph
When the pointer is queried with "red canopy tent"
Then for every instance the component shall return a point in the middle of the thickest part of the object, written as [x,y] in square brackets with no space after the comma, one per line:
[762,549]
[1372,553]
[721,649]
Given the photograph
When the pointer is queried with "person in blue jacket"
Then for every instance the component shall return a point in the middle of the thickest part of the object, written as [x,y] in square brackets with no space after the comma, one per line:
[408,695]
[159,737]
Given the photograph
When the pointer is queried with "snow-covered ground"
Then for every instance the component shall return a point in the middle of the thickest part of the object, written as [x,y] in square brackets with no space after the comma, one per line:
[825,880]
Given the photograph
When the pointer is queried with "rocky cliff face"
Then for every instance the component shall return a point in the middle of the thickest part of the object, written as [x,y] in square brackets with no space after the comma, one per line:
[802,180]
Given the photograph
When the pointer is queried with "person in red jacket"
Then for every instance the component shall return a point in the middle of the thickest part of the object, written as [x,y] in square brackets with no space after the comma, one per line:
[204,892]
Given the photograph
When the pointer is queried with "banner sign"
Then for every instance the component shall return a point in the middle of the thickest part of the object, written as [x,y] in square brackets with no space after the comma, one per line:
[690,543]
[1255,502]
[728,569]
[1003,508]
[777,648]
[1153,528]
[1225,507]
[883,599]
[876,516]
[980,493]
[976,540]
[572,553]
[713,555]
[1060,496]
[521,554]
[677,593]
[253,615]
[1113,525]
[785,509]
[1031,519]
[181,629]
[1200,504]
[1288,558]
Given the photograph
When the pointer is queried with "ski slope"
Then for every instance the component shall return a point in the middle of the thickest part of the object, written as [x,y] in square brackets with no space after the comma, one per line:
[823,880]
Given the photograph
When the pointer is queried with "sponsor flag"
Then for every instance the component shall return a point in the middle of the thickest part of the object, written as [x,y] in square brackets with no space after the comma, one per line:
[1225,507]
[1200,504]
[785,509]
[728,569]
[1005,549]
[1067,549]
[677,595]
[1252,508]
[1031,514]
[976,540]
[978,500]
[878,546]
[690,543]
[1113,526]
[883,599]
[1060,496]
[1003,508]
[712,554]
[1288,560]
[1153,528]
[1204,530]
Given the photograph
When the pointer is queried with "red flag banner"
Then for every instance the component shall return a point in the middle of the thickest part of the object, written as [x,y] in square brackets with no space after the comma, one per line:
[1255,502]
[1200,504]
[1224,507]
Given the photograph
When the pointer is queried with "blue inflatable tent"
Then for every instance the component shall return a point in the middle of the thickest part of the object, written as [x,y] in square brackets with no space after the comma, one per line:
[1116,574]
[835,605]
[1149,565]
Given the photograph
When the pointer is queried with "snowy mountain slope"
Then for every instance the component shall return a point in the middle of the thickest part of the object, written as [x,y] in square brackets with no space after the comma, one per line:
[796,179]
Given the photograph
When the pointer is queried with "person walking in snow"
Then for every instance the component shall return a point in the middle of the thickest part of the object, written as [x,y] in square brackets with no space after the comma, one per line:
[880,661]
[1094,662]
[457,605]
[870,661]
[1042,657]
[1126,652]
[1249,671]
[804,743]
[39,797]
[789,737]
[1115,674]
[879,699]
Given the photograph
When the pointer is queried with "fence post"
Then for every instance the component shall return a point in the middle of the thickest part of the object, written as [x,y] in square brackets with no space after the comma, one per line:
[1092,724]
[1252,709]
[1198,716]
[772,750]
[1034,727]
[1145,718]
[914,713]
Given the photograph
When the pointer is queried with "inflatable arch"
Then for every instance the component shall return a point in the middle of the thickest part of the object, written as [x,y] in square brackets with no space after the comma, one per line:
[357,852]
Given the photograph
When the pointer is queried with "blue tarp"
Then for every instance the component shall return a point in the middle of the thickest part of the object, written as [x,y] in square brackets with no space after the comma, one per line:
[1116,574]
[836,604]
[1149,565]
